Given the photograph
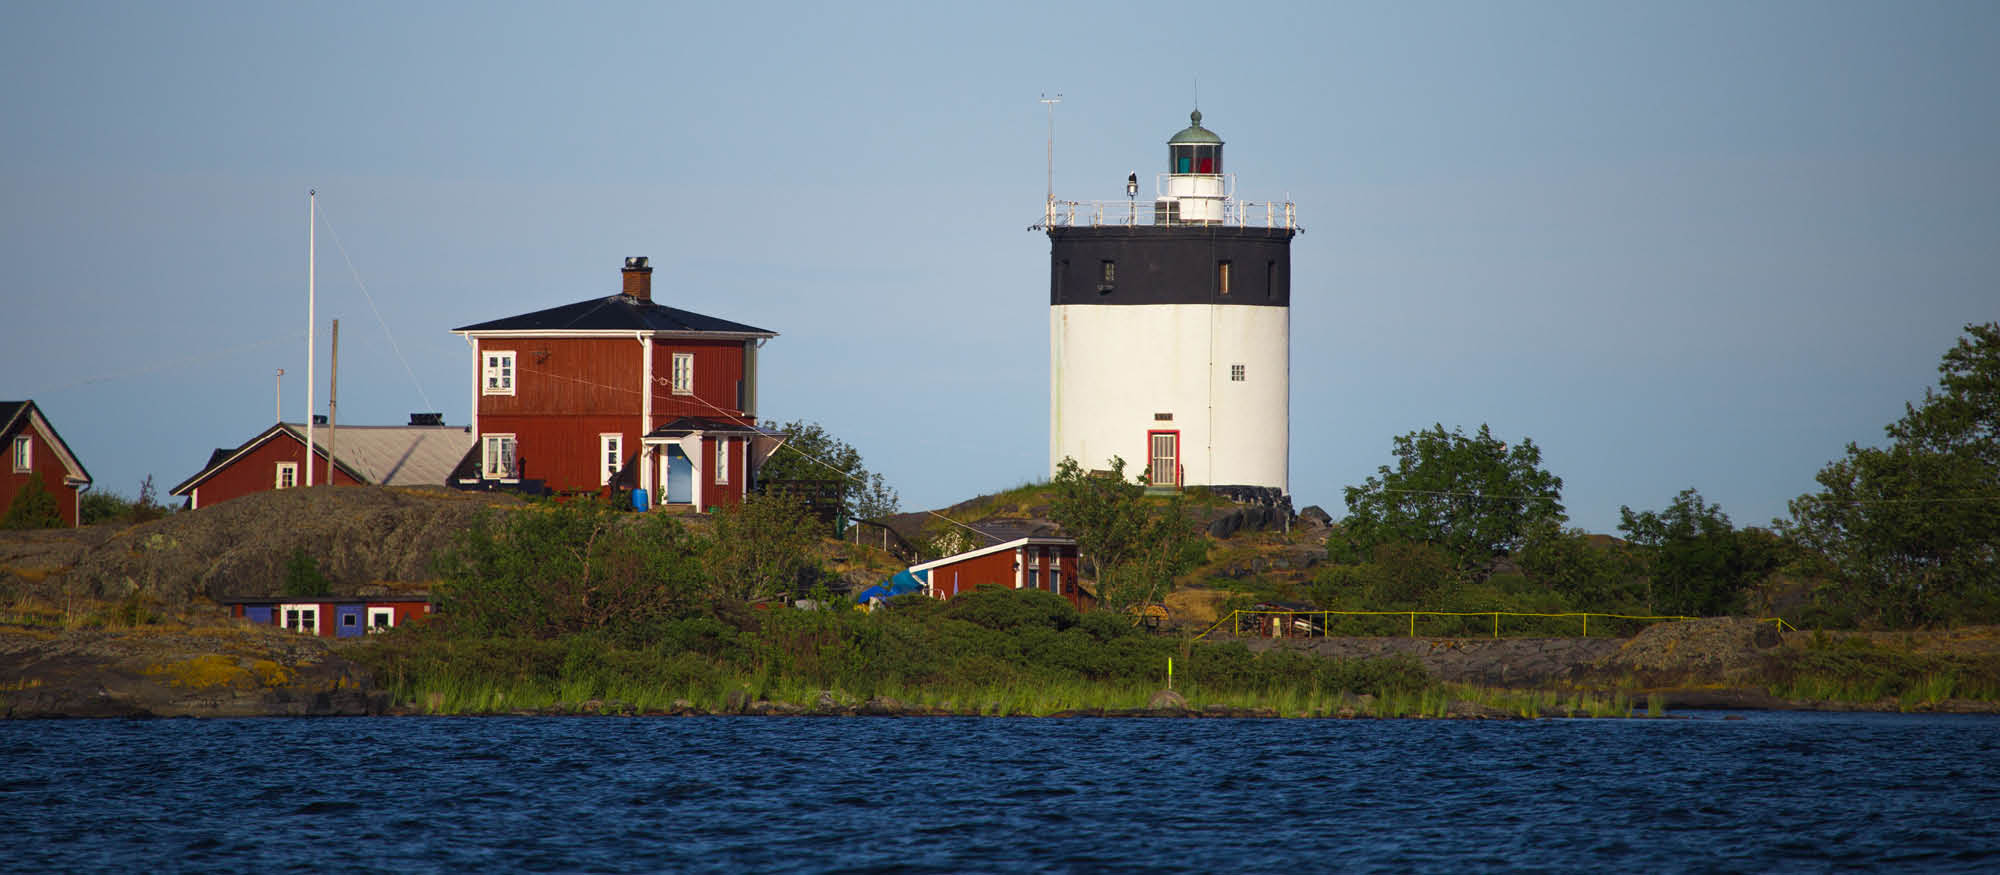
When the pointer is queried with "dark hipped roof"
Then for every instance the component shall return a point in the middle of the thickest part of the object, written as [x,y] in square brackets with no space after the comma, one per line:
[709,425]
[616,313]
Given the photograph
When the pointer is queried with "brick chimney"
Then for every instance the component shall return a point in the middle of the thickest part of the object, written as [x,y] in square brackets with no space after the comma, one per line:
[638,278]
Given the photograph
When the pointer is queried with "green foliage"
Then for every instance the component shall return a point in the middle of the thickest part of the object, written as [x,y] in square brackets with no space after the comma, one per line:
[810,453]
[1134,546]
[1474,497]
[33,507]
[555,569]
[1565,562]
[1006,609]
[1912,530]
[1696,563]
[110,507]
[104,507]
[1399,574]
[1004,651]
[763,548]
[304,577]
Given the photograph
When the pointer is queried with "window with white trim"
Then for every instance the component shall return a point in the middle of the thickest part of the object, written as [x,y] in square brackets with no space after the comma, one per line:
[1236,373]
[381,618]
[497,461]
[300,618]
[722,460]
[683,373]
[611,453]
[24,453]
[287,475]
[499,373]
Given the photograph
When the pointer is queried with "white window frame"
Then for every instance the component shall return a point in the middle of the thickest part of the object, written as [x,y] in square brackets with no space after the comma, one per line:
[487,444]
[24,454]
[683,374]
[498,375]
[610,456]
[285,475]
[303,617]
[722,461]
[1236,373]
[388,615]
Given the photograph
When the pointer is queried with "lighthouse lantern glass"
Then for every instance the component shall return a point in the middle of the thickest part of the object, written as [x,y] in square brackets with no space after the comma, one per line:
[1203,158]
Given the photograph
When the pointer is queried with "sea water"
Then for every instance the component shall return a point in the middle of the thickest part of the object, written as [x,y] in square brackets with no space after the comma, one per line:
[1710,792]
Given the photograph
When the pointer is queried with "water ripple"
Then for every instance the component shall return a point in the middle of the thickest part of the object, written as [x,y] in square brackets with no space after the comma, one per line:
[1766,792]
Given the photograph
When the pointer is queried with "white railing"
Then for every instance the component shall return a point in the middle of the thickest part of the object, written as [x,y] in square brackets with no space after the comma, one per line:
[1097,214]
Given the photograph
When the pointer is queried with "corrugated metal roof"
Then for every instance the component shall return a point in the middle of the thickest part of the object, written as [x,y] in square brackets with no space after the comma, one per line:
[396,455]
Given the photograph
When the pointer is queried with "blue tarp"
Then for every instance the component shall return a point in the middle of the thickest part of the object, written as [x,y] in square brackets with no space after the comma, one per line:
[902,584]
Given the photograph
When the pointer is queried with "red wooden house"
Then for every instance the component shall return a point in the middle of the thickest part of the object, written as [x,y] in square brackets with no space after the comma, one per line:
[422,453]
[1023,563]
[332,616]
[35,451]
[616,392]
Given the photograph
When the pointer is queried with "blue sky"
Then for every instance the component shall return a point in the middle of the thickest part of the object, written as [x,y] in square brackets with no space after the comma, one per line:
[1687,244]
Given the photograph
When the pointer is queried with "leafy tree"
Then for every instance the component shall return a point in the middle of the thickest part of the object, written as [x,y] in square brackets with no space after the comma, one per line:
[562,568]
[810,453]
[110,507]
[763,548]
[1132,545]
[1586,575]
[33,507]
[1695,561]
[1913,528]
[1474,497]
[303,576]
[1398,574]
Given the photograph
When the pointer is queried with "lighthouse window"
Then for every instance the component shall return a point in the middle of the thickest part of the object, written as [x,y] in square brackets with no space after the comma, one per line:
[1236,373]
[1110,274]
[1222,277]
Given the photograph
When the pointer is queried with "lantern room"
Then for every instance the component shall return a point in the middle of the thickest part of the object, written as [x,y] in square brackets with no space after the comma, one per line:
[1195,185]
[1195,149]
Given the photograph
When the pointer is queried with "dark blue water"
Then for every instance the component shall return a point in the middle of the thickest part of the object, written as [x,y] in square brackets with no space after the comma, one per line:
[1764,792]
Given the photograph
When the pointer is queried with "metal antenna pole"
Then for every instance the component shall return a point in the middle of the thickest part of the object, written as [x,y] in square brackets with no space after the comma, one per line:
[312,223]
[280,381]
[1050,204]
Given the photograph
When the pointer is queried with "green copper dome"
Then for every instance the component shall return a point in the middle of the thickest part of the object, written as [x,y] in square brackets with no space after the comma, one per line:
[1195,133]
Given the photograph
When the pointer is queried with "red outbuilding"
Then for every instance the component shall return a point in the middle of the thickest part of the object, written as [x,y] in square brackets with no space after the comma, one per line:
[36,452]
[1024,563]
[422,453]
[617,392]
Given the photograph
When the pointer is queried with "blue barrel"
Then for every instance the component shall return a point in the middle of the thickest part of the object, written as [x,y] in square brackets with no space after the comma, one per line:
[638,499]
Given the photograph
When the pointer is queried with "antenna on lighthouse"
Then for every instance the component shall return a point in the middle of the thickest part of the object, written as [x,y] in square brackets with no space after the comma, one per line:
[1050,204]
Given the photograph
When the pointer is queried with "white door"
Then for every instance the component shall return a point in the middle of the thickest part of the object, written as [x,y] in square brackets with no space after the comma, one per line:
[1164,467]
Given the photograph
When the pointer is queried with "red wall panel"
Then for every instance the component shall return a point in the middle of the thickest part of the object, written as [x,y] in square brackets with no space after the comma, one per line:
[47,465]
[256,471]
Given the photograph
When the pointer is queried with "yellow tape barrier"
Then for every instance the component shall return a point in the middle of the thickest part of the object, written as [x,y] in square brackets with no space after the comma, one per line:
[1236,618]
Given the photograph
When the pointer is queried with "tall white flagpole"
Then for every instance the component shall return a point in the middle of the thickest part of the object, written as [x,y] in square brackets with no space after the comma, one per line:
[312,223]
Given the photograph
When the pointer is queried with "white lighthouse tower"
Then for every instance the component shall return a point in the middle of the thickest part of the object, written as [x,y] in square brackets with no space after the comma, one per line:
[1170,329]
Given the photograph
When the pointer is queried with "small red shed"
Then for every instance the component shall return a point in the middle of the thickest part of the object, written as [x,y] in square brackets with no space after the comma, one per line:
[419,454]
[1034,562]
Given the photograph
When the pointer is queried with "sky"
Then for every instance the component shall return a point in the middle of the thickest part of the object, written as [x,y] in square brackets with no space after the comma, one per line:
[1676,245]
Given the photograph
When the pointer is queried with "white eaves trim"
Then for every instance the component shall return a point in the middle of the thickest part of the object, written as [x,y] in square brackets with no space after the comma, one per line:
[1017,543]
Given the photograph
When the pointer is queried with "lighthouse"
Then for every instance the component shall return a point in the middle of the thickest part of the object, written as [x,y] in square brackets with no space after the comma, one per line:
[1170,327]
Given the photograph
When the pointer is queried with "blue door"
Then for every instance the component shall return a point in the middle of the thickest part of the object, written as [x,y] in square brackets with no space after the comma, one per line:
[347,621]
[680,476]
